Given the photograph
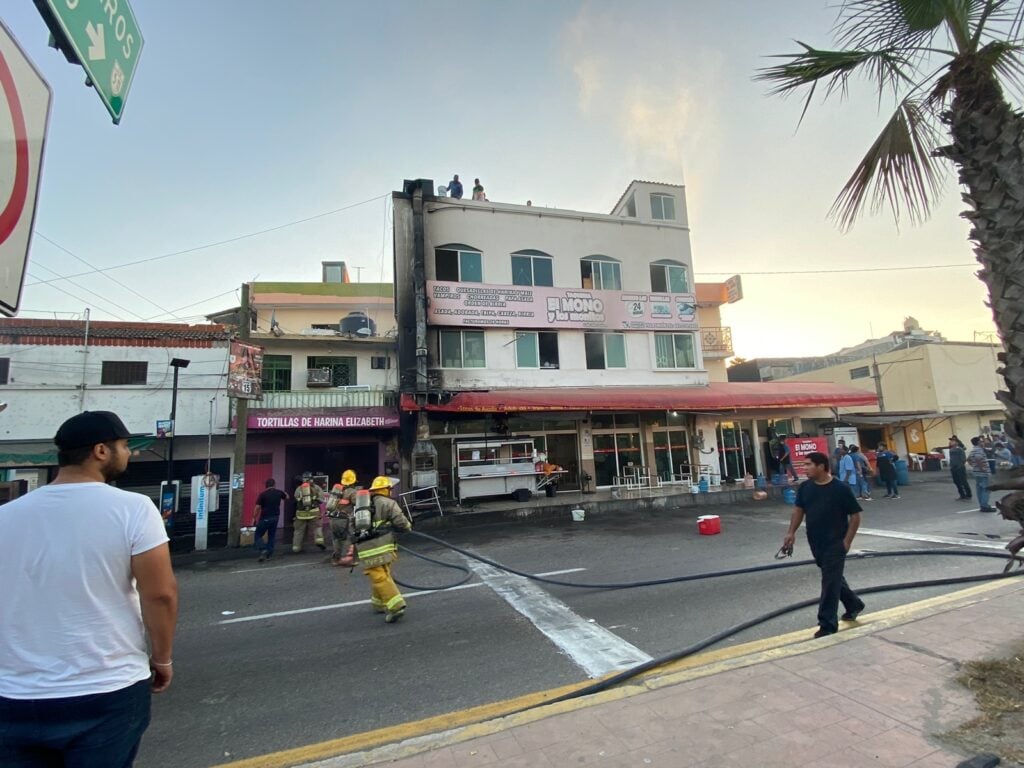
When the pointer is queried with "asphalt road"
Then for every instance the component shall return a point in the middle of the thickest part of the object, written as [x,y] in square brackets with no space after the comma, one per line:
[287,653]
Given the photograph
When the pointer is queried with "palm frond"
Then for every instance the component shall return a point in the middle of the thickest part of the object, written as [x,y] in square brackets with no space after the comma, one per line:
[1000,58]
[899,169]
[887,68]
[896,24]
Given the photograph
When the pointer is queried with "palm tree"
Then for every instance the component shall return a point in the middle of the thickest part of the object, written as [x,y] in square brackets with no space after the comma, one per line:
[946,64]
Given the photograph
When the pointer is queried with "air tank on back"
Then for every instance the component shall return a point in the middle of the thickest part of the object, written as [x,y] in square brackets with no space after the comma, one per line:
[358,324]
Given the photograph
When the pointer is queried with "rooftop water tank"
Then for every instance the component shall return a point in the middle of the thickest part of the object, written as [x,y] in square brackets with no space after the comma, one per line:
[359,324]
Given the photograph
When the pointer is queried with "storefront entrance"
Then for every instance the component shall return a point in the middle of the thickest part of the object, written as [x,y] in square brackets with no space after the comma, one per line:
[735,450]
[564,451]
[331,461]
[671,454]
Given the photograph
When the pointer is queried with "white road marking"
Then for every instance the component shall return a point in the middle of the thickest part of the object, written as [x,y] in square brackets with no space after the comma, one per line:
[407,595]
[277,567]
[952,540]
[595,649]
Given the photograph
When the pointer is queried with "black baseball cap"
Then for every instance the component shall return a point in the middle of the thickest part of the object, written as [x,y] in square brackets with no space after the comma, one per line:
[91,427]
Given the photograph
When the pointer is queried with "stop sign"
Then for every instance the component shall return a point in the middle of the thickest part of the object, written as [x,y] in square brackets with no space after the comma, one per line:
[24,114]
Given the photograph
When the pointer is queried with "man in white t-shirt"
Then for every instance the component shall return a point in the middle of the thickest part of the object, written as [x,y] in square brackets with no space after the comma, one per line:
[88,574]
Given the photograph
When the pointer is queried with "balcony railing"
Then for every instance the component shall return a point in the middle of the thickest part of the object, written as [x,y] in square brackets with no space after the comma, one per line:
[716,342]
[330,398]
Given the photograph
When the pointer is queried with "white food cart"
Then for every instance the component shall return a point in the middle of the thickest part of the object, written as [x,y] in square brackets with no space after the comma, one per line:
[498,468]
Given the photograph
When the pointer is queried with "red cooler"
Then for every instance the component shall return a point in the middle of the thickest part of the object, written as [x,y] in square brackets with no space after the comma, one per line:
[709,525]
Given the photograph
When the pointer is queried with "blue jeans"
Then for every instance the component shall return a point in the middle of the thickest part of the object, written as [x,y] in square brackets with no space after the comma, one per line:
[103,729]
[863,486]
[981,488]
[267,526]
[892,487]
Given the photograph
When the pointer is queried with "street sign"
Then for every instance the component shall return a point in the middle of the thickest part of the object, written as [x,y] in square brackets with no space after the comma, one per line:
[108,43]
[24,116]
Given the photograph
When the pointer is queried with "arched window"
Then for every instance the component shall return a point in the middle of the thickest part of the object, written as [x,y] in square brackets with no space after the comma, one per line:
[601,273]
[530,267]
[669,276]
[458,263]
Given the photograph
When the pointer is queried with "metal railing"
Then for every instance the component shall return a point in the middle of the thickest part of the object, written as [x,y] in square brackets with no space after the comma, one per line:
[328,398]
[716,340]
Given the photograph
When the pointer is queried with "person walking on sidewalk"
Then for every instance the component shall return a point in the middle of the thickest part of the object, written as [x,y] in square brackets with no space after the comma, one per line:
[88,576]
[265,515]
[862,470]
[833,517]
[886,462]
[977,459]
[958,468]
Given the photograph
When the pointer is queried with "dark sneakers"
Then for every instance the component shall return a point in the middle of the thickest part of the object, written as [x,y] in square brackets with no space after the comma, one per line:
[822,632]
[852,615]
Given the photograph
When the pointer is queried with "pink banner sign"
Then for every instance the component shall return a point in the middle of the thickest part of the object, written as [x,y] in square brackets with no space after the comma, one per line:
[524,306]
[326,418]
[800,447]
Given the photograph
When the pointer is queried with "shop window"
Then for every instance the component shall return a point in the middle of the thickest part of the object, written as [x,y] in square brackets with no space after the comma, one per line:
[674,350]
[380,363]
[536,350]
[669,277]
[605,350]
[462,349]
[663,207]
[458,264]
[122,372]
[532,268]
[277,373]
[600,273]
[342,369]
[5,370]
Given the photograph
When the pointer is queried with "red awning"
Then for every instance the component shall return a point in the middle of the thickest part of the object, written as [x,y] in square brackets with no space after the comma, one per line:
[719,396]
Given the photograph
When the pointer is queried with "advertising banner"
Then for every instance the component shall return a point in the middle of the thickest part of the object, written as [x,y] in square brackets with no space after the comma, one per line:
[245,371]
[348,418]
[799,447]
[524,306]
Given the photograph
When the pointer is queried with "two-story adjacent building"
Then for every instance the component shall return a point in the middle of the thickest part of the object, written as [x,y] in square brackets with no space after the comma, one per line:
[580,331]
[330,381]
[52,369]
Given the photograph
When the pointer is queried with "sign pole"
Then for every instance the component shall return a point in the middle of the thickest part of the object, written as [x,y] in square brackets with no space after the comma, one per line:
[241,436]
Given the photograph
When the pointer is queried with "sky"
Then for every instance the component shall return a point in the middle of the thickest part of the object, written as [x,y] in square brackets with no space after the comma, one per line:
[260,138]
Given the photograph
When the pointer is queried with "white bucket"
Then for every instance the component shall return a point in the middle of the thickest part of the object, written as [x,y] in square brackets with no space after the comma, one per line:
[578,515]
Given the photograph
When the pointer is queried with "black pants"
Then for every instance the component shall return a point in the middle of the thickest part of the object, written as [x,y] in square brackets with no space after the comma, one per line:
[963,488]
[834,589]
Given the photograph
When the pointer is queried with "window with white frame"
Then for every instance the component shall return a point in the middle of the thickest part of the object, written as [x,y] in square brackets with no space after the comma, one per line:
[605,350]
[536,349]
[663,207]
[674,350]
[600,273]
[458,264]
[669,277]
[462,349]
[532,268]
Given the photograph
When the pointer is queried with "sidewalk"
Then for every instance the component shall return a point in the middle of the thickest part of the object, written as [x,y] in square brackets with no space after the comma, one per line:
[873,695]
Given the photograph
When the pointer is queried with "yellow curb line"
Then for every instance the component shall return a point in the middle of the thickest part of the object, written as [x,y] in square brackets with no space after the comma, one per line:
[408,739]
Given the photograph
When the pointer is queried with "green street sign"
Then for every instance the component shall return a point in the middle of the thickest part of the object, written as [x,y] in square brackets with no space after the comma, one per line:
[106,38]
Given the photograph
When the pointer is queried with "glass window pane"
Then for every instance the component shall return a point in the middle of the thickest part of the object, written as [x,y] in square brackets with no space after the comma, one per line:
[677,280]
[451,349]
[616,350]
[542,273]
[547,349]
[664,356]
[658,284]
[526,350]
[627,420]
[602,421]
[668,207]
[656,207]
[684,350]
[470,269]
[586,274]
[610,280]
[446,265]
[521,270]
[593,343]
[473,349]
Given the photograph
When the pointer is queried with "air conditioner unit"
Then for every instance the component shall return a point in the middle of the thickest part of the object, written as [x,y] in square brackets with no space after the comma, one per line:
[318,377]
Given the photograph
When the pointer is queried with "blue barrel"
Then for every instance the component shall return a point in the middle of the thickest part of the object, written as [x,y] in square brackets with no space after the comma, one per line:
[703,484]
[789,495]
[902,472]
[779,479]
[760,483]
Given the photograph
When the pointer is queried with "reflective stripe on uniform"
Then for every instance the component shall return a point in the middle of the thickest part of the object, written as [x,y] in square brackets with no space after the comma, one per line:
[366,553]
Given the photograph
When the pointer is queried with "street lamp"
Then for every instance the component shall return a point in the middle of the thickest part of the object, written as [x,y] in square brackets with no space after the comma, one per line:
[177,364]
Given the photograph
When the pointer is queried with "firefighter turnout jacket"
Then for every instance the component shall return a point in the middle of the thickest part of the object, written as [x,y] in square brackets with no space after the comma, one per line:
[307,501]
[380,547]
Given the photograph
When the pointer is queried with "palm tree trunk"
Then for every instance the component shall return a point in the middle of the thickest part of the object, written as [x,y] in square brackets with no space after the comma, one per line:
[988,149]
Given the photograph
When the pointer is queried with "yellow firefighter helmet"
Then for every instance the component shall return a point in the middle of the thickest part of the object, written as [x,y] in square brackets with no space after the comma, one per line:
[348,477]
[380,484]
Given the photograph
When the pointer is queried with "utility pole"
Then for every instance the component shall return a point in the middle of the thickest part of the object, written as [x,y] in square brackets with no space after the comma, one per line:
[241,435]
[878,382]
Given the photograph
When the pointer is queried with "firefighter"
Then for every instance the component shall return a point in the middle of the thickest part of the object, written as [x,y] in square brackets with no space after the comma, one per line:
[376,519]
[339,510]
[307,513]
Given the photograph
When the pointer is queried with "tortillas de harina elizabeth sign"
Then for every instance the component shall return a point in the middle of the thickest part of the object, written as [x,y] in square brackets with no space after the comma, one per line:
[523,306]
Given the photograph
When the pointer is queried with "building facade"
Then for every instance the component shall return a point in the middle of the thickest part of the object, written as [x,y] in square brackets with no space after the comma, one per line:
[582,332]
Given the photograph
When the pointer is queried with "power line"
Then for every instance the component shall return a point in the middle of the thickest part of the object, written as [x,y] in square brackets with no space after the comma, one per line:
[89,291]
[212,245]
[195,303]
[838,271]
[76,298]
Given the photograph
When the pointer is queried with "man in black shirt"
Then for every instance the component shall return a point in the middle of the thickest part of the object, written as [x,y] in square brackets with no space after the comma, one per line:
[833,517]
[268,508]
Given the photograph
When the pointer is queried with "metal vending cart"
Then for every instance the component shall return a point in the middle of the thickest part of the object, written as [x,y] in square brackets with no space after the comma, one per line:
[497,468]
